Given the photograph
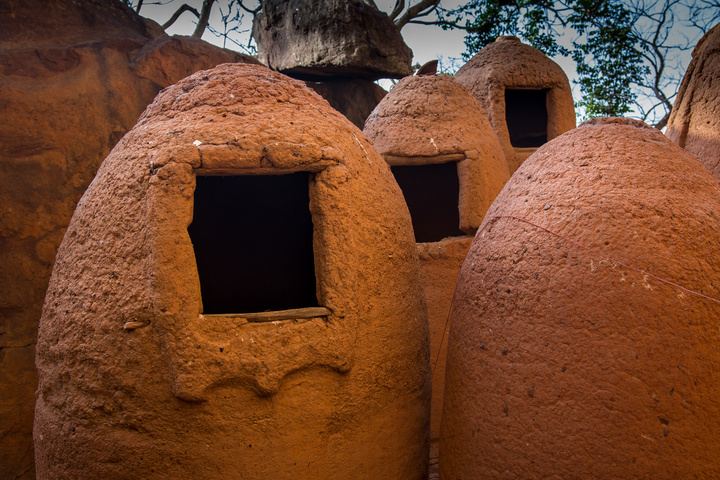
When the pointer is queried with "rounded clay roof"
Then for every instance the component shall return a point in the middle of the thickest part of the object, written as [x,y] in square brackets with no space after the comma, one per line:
[244,116]
[510,62]
[428,116]
[590,293]
[694,122]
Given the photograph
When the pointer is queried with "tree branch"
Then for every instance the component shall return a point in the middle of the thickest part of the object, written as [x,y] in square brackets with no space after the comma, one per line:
[252,11]
[397,10]
[203,18]
[418,10]
[184,8]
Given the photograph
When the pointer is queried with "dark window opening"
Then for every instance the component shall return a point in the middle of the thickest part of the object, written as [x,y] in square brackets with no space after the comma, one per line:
[252,237]
[526,117]
[431,193]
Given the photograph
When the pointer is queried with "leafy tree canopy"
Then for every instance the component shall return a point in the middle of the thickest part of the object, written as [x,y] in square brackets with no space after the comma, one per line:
[602,45]
[630,55]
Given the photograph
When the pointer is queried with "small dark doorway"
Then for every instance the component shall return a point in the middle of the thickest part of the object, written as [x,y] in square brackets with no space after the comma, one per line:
[431,193]
[526,117]
[252,237]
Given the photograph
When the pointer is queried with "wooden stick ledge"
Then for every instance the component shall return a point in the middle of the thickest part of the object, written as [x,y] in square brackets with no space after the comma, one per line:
[276,315]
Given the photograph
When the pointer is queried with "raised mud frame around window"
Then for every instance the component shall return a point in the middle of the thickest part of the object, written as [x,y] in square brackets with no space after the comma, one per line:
[204,352]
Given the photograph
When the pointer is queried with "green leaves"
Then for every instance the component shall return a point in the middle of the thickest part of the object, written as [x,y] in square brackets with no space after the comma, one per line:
[602,43]
[607,56]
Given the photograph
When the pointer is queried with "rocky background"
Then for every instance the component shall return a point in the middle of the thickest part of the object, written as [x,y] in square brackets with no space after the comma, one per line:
[74,78]
[339,47]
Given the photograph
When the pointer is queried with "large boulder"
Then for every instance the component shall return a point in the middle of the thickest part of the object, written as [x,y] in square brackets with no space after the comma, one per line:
[355,98]
[166,59]
[74,77]
[313,39]
[694,122]
[584,339]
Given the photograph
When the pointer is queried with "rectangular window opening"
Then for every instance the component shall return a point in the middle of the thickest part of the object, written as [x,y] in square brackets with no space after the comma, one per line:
[252,237]
[526,117]
[431,193]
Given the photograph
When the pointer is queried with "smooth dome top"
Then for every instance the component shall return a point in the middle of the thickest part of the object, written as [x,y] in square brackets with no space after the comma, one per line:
[593,289]
[244,116]
[631,122]
[427,116]
[610,158]
[509,61]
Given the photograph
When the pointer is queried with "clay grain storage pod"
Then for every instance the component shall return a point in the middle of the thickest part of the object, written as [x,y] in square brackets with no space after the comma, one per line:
[694,122]
[147,367]
[564,362]
[526,95]
[450,166]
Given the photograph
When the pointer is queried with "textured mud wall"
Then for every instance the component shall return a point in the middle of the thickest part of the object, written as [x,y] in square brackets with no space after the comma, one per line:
[134,378]
[426,120]
[694,122]
[564,362]
[433,119]
[74,77]
[440,264]
[509,64]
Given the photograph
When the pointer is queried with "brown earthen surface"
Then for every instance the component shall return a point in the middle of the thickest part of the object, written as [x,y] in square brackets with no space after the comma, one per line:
[74,77]
[440,265]
[353,97]
[694,122]
[509,64]
[423,119]
[168,59]
[329,38]
[426,120]
[135,378]
[426,116]
[563,361]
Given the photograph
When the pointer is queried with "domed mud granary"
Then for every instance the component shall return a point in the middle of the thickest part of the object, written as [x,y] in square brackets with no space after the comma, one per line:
[584,338]
[526,95]
[239,190]
[450,166]
[74,78]
[694,122]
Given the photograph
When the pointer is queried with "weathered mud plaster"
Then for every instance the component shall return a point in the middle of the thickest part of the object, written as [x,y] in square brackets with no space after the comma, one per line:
[74,78]
[135,378]
[563,361]
[433,119]
[430,120]
[694,122]
[507,65]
